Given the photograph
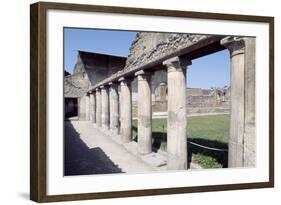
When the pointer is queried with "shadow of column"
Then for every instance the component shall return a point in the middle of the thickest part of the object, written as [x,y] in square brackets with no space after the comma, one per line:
[79,159]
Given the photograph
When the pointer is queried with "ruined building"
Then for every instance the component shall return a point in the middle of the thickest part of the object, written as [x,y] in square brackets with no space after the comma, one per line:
[89,69]
[94,67]
[107,88]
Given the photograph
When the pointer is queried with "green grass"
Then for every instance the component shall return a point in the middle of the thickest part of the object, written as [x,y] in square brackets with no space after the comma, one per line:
[212,131]
[213,127]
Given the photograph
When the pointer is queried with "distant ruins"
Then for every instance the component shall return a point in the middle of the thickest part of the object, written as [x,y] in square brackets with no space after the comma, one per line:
[111,90]
[198,100]
[89,69]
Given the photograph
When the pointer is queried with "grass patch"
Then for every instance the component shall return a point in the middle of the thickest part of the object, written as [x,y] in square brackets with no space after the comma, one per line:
[213,127]
[211,131]
[206,161]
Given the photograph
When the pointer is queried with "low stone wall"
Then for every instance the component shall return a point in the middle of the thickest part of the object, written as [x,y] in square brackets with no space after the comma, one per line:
[198,101]
[206,110]
[162,107]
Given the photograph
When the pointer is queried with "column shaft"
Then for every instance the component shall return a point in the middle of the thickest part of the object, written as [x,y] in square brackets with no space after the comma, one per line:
[250,121]
[87,107]
[237,117]
[93,107]
[98,107]
[126,111]
[114,108]
[104,108]
[144,113]
[237,112]
[177,122]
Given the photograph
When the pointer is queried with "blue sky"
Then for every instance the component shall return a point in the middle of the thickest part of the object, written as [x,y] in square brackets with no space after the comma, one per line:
[206,72]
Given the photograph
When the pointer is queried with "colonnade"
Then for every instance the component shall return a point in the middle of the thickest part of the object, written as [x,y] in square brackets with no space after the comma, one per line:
[112,110]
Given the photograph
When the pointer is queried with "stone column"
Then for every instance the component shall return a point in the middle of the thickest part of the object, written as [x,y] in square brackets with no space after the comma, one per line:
[162,92]
[87,107]
[93,107]
[104,107]
[125,110]
[236,46]
[98,107]
[250,121]
[114,108]
[177,122]
[144,113]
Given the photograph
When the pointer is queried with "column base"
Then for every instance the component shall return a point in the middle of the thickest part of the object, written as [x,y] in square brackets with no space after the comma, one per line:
[176,163]
[250,146]
[114,131]
[105,128]
[235,154]
[125,139]
[144,151]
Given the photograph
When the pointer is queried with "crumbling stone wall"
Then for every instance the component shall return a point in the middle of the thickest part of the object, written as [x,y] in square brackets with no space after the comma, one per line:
[150,46]
[201,101]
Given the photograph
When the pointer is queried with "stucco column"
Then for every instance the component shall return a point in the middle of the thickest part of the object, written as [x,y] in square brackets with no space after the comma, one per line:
[236,46]
[98,107]
[177,122]
[104,107]
[93,107]
[87,107]
[125,110]
[114,108]
[144,113]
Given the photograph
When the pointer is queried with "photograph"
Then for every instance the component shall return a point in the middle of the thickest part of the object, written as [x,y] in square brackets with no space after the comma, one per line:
[138,102]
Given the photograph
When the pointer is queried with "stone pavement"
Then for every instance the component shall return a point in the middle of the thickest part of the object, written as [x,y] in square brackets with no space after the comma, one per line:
[89,151]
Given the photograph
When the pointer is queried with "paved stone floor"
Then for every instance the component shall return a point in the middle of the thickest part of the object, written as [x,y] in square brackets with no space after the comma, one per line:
[89,151]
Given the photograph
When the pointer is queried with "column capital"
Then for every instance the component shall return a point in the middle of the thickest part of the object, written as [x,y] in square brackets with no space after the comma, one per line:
[112,83]
[143,75]
[143,72]
[124,80]
[103,87]
[235,45]
[97,89]
[176,63]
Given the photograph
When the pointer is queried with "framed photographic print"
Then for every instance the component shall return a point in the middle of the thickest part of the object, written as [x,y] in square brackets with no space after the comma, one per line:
[134,102]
